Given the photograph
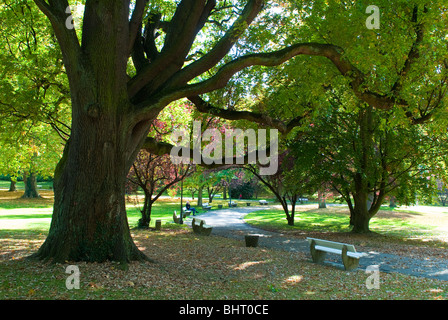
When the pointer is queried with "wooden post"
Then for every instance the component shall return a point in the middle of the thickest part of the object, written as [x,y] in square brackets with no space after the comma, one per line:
[158,224]
[251,240]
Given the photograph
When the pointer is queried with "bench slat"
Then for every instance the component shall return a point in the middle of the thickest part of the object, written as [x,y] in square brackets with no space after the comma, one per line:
[327,249]
[355,255]
[332,244]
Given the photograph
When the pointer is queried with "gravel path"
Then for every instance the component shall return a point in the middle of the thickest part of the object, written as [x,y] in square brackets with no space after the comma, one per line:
[229,223]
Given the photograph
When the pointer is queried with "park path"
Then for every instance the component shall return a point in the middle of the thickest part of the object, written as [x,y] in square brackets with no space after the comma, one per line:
[229,223]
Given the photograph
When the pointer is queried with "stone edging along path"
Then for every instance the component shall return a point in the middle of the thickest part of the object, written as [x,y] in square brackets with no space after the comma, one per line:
[229,223]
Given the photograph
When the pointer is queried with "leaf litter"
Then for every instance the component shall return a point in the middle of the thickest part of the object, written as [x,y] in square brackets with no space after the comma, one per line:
[194,267]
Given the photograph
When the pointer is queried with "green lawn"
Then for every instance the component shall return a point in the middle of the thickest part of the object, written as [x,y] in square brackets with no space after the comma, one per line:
[35,214]
[314,220]
[47,185]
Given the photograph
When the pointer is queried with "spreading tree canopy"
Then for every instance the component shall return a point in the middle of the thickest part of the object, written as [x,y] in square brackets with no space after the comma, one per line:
[128,60]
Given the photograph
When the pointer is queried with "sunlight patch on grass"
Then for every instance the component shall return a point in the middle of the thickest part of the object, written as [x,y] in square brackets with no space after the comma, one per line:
[334,222]
[293,279]
[247,264]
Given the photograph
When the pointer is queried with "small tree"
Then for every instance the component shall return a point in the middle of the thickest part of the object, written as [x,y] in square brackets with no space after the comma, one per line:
[289,183]
[358,154]
[154,175]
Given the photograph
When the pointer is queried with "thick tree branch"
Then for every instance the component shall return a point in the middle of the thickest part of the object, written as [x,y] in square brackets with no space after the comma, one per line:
[221,78]
[333,53]
[413,54]
[218,52]
[136,21]
[155,147]
[67,38]
[259,118]
[150,35]
[180,35]
[162,148]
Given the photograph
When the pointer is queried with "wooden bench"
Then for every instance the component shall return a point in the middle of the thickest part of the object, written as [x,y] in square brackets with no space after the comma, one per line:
[319,248]
[263,202]
[199,227]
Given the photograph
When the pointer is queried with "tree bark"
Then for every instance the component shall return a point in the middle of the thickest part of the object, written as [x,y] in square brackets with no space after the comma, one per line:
[291,219]
[30,181]
[13,186]
[321,199]
[361,220]
[146,212]
[200,196]
[89,218]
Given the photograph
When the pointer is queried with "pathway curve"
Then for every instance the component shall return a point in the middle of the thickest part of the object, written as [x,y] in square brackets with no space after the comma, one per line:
[229,223]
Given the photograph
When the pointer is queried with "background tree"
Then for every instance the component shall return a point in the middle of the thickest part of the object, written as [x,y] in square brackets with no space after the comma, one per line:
[403,69]
[33,96]
[29,150]
[291,181]
[372,154]
[154,175]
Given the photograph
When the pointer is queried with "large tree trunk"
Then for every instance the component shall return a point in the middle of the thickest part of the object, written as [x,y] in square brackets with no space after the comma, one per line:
[321,199]
[360,217]
[13,186]
[361,220]
[30,182]
[146,212]
[89,219]
[365,207]
[200,196]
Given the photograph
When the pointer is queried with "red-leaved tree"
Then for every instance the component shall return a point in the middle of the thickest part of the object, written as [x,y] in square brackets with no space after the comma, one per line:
[154,174]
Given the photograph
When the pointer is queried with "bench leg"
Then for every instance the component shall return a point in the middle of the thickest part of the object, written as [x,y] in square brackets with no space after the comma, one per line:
[349,262]
[206,231]
[318,256]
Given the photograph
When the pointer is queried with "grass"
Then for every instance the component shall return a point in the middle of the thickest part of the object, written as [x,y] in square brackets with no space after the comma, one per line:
[43,185]
[189,266]
[329,221]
